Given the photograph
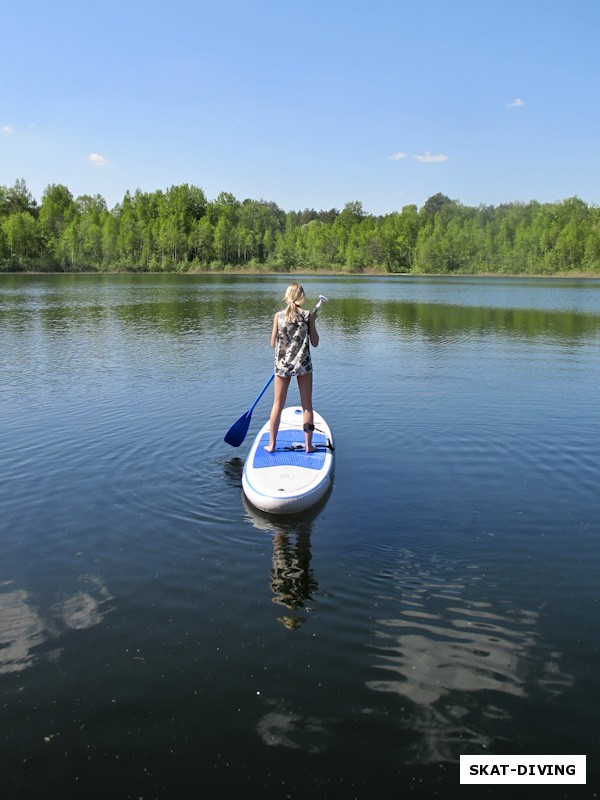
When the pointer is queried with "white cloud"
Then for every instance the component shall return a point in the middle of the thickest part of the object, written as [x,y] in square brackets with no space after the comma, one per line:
[431,158]
[97,160]
[7,129]
[516,103]
[396,156]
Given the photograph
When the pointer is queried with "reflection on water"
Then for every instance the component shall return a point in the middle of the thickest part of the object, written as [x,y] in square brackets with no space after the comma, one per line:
[279,729]
[436,320]
[21,630]
[292,579]
[458,660]
[24,626]
[193,305]
[85,608]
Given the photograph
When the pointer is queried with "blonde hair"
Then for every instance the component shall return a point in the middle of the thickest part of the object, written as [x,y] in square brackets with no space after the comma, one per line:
[294,296]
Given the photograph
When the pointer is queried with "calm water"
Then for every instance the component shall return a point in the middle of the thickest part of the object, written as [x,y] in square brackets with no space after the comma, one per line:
[160,639]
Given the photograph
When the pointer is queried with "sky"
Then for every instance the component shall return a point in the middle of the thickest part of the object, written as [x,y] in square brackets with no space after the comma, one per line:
[309,104]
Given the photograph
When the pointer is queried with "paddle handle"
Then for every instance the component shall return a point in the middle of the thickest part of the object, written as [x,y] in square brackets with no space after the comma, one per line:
[322,299]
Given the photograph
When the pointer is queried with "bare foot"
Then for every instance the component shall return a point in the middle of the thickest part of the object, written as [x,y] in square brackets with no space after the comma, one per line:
[269,449]
[311,449]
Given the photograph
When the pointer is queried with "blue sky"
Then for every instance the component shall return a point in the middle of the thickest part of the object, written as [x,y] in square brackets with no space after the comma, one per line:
[306,104]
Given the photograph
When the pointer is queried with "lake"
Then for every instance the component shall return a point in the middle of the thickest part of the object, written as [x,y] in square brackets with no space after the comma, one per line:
[159,638]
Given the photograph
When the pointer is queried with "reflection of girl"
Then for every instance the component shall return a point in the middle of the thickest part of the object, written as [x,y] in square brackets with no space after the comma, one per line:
[292,579]
[293,332]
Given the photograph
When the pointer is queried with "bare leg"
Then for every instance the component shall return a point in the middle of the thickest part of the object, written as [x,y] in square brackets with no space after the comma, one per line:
[305,384]
[280,393]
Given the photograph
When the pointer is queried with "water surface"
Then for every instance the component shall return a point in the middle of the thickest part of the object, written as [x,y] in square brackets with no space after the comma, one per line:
[160,638]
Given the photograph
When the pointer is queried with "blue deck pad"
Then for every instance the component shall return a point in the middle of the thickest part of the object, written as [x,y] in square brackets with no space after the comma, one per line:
[296,458]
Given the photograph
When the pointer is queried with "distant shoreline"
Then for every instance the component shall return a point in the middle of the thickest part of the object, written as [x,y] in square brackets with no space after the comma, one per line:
[308,273]
[179,231]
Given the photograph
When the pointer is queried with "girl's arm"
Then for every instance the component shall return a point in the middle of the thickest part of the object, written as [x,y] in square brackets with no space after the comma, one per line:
[274,331]
[312,330]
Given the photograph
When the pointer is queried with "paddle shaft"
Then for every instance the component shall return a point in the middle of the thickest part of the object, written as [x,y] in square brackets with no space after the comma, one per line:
[263,390]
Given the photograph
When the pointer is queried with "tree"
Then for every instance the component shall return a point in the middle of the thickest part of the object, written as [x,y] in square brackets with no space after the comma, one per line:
[223,240]
[110,237]
[184,206]
[434,204]
[92,212]
[401,252]
[129,241]
[17,198]
[351,215]
[57,211]
[21,234]
[200,241]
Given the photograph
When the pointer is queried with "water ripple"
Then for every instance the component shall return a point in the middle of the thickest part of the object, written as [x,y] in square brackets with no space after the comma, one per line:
[456,660]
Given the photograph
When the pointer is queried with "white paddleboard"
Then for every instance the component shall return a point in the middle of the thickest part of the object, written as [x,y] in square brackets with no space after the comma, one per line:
[290,479]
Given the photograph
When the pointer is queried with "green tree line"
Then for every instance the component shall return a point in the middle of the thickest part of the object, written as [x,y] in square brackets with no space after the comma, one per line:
[181,230]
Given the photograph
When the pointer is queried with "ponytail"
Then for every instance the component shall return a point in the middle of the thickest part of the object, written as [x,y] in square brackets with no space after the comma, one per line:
[294,297]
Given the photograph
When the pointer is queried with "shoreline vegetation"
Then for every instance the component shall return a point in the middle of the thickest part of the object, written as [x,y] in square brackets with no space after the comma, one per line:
[180,230]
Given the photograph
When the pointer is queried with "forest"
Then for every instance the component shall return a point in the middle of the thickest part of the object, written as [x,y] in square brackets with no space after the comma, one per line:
[180,230]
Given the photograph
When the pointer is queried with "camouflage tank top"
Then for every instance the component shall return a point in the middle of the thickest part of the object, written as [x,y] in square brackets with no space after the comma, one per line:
[292,347]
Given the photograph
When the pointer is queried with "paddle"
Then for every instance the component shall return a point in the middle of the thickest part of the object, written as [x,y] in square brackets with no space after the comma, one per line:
[237,433]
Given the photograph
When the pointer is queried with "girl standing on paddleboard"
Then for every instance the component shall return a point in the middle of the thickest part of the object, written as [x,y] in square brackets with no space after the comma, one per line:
[294,330]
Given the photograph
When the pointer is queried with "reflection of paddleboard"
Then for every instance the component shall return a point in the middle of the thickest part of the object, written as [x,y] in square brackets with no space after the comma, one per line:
[290,479]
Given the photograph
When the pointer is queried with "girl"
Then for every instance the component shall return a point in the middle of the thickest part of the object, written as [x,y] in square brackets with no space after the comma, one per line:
[293,332]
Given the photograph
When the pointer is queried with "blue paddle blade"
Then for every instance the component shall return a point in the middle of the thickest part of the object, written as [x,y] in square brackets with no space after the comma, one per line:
[237,433]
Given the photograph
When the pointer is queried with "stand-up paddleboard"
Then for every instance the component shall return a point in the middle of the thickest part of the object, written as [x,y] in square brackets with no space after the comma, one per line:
[290,479]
